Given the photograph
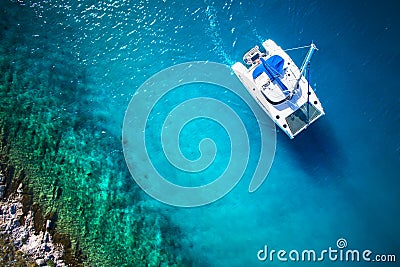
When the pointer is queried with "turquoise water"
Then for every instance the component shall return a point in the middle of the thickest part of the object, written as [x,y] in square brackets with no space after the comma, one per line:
[336,180]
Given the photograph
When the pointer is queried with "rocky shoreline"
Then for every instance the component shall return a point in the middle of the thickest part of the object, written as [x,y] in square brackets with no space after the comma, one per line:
[26,240]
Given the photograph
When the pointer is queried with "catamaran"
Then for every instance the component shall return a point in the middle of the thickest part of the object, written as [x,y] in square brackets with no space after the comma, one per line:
[280,87]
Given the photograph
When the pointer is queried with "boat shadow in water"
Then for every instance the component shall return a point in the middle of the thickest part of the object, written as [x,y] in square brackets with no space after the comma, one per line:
[317,152]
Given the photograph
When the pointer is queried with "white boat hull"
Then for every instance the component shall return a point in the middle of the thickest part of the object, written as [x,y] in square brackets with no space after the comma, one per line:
[291,113]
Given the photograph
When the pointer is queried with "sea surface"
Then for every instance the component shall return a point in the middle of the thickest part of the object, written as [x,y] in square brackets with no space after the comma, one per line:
[70,67]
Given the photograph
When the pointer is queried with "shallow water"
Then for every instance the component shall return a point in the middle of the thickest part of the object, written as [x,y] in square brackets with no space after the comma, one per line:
[69,69]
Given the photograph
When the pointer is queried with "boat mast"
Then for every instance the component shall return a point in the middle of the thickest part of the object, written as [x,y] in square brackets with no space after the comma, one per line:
[308,93]
[307,60]
[305,68]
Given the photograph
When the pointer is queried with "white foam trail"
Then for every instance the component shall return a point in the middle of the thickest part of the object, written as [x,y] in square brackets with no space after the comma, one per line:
[214,32]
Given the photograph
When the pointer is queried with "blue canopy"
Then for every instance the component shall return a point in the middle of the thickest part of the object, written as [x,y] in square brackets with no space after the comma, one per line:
[273,67]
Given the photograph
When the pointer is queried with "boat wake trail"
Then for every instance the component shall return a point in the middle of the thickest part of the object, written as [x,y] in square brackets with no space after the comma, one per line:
[214,32]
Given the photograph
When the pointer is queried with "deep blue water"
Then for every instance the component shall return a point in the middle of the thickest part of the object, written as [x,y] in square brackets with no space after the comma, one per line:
[338,179]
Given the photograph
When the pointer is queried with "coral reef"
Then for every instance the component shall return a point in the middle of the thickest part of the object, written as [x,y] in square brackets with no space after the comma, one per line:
[75,172]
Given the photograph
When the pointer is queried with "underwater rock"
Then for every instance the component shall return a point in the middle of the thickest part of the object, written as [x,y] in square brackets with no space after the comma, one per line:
[2,190]
[48,224]
[19,189]
[19,228]
[40,262]
[2,185]
[13,209]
